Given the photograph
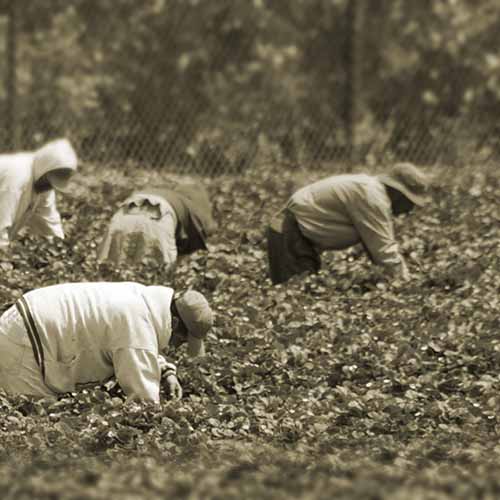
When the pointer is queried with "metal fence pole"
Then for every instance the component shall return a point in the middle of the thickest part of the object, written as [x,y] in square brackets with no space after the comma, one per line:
[12,124]
[353,60]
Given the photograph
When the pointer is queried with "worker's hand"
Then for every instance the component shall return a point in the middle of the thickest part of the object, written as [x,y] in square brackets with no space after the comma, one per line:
[5,260]
[406,276]
[174,388]
[400,279]
[6,266]
[404,273]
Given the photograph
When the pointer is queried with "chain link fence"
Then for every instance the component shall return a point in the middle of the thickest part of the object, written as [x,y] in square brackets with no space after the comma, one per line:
[216,86]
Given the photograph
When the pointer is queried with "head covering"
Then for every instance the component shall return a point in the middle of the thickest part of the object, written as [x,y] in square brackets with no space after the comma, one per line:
[198,317]
[408,180]
[55,155]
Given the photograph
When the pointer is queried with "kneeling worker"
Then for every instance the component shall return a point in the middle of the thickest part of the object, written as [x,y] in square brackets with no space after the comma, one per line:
[64,337]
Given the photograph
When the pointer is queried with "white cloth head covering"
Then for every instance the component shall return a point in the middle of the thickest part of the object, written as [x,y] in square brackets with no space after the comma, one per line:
[52,156]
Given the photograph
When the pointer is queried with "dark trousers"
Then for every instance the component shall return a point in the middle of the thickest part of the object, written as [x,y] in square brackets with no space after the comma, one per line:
[289,251]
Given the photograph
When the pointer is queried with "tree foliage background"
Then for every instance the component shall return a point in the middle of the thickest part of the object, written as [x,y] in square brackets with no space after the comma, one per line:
[206,85]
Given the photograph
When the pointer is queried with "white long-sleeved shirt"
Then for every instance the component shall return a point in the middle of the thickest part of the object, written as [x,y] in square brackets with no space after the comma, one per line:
[91,331]
[144,222]
[343,210]
[20,205]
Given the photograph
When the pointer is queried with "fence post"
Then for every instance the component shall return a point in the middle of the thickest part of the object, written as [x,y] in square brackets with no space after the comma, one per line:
[353,60]
[12,125]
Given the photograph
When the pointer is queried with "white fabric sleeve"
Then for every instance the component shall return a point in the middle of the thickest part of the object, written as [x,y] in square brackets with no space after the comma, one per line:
[168,242]
[46,220]
[138,373]
[4,240]
[9,202]
[166,366]
[375,228]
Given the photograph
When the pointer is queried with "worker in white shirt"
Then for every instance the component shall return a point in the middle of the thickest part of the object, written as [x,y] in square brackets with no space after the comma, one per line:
[341,211]
[155,224]
[27,183]
[64,337]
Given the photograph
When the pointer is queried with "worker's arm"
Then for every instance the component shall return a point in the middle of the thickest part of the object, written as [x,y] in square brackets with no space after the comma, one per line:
[46,220]
[374,224]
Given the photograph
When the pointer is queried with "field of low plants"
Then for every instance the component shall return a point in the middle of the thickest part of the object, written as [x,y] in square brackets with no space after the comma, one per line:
[340,385]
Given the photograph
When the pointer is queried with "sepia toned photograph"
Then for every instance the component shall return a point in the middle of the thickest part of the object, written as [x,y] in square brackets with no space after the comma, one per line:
[249,249]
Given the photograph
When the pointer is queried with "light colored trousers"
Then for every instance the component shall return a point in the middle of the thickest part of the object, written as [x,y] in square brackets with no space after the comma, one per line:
[19,372]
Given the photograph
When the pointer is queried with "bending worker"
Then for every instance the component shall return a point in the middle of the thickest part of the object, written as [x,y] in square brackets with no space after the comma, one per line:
[61,338]
[341,211]
[156,224]
[27,183]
